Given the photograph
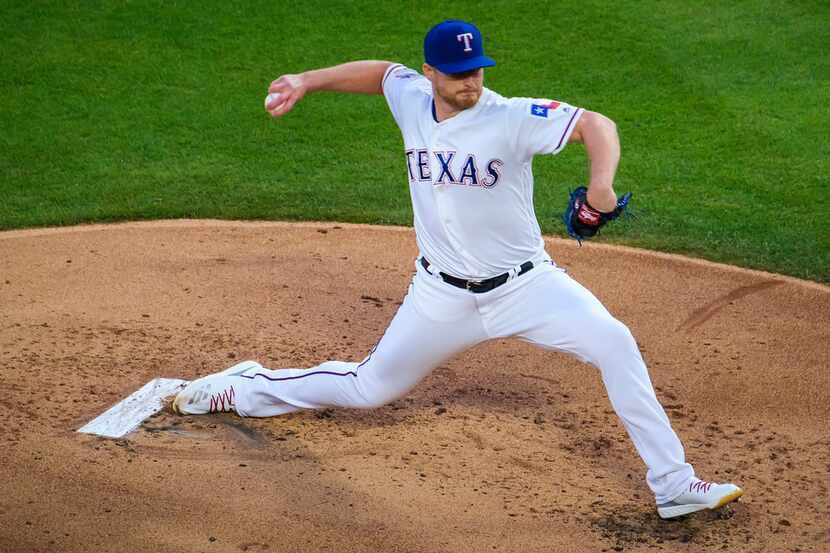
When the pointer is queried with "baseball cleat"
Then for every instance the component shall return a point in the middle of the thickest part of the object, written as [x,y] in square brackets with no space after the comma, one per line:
[214,393]
[700,495]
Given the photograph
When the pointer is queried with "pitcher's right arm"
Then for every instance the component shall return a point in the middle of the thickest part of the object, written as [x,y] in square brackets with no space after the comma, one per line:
[359,77]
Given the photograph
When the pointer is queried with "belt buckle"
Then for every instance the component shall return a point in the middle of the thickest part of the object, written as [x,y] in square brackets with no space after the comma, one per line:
[471,283]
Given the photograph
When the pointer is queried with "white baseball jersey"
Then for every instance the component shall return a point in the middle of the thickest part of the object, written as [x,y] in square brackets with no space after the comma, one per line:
[470,176]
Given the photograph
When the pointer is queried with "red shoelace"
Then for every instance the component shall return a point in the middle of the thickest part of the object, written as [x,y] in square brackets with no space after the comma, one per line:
[223,401]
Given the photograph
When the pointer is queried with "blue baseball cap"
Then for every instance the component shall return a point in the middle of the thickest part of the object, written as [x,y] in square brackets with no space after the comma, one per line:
[455,46]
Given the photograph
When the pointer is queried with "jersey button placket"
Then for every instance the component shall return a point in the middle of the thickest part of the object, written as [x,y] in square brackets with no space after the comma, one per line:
[440,189]
[441,194]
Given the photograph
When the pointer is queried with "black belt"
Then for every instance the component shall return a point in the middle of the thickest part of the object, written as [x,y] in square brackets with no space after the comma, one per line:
[478,286]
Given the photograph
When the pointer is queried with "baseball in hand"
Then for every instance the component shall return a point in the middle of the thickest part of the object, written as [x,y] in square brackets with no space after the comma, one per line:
[272,98]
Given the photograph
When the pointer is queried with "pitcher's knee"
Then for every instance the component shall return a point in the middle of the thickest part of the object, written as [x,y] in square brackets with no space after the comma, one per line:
[612,337]
[372,397]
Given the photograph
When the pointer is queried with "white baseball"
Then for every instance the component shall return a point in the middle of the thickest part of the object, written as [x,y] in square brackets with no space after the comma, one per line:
[274,96]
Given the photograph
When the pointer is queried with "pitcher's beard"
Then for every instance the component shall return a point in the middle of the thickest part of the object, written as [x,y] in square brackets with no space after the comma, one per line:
[461,101]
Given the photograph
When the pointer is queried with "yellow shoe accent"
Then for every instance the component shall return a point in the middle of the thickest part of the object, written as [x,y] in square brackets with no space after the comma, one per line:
[728,498]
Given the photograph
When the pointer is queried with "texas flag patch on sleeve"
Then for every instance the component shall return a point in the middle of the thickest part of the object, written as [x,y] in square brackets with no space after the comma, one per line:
[541,110]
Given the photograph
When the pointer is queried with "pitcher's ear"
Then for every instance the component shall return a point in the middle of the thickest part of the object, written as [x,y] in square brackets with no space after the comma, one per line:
[428,71]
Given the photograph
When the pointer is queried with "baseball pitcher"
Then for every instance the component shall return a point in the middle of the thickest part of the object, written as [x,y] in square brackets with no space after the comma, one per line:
[482,270]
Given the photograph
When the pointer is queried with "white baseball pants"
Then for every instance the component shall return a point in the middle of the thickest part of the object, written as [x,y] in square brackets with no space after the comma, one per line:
[436,321]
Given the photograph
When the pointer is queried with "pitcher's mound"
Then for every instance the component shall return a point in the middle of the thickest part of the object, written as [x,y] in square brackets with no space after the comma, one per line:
[506,448]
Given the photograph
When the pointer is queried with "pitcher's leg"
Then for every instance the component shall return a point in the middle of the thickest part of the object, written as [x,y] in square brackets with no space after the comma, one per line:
[565,316]
[415,342]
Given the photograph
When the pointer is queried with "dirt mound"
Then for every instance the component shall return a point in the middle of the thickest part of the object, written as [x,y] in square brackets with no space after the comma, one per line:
[506,448]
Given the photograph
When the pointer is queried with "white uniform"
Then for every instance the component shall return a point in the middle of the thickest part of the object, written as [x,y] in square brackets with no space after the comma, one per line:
[472,193]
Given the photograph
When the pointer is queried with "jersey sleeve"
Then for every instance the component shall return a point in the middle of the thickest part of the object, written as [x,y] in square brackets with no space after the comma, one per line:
[541,126]
[399,82]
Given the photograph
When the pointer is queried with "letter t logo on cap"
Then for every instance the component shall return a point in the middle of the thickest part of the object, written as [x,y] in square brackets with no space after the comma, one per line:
[466,38]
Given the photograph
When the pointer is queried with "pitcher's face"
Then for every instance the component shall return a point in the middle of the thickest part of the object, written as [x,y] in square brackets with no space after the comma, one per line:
[460,90]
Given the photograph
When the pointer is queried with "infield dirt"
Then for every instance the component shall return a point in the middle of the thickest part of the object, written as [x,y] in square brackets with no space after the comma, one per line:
[505,448]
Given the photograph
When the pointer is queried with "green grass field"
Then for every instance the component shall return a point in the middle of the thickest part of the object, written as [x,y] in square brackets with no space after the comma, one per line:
[143,110]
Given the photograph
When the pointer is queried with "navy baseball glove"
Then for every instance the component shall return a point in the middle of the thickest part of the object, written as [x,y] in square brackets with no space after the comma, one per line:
[583,221]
